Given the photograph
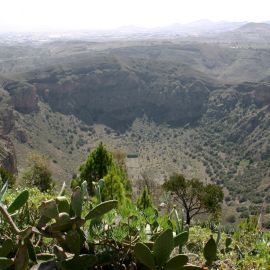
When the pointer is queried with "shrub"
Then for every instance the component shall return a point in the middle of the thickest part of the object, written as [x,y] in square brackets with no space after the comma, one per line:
[6,176]
[113,188]
[37,173]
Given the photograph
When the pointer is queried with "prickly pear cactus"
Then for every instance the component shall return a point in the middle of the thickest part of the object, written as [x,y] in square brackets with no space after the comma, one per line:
[210,251]
[160,257]
[59,220]
[19,202]
[62,222]
[144,255]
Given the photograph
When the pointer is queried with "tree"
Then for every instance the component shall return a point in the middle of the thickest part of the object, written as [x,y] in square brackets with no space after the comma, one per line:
[96,166]
[195,197]
[7,176]
[100,164]
[37,173]
[113,188]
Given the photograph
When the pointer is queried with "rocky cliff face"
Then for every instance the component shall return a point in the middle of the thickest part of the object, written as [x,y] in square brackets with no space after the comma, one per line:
[6,120]
[23,96]
[117,95]
[7,155]
[7,123]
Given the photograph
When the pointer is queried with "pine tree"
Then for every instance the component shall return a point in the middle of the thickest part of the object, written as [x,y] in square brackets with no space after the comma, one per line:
[96,166]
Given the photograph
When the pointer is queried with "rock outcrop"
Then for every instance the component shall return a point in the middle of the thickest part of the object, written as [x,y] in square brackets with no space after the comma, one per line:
[6,121]
[23,96]
[116,96]
[7,155]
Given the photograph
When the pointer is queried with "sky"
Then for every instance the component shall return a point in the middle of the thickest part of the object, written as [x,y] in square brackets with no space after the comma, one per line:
[24,15]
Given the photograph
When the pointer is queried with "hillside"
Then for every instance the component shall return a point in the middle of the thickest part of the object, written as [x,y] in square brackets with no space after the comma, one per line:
[252,27]
[199,109]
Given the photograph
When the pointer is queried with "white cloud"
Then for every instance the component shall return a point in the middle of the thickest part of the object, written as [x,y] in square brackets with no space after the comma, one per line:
[97,14]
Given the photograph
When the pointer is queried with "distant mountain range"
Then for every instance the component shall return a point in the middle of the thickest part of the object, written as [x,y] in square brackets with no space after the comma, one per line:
[220,31]
[249,32]
[202,27]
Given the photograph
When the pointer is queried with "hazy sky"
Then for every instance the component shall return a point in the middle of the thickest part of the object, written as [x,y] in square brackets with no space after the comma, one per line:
[101,14]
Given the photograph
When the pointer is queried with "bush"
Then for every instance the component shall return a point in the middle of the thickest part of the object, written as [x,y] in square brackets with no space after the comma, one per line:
[6,176]
[37,173]
[113,188]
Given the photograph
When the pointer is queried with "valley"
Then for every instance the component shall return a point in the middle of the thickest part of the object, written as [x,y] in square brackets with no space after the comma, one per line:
[191,106]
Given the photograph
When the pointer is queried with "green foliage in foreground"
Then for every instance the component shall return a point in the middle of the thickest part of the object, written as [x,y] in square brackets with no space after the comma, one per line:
[108,231]
[67,232]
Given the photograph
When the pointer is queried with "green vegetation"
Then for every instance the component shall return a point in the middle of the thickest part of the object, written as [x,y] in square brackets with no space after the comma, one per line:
[106,230]
[101,164]
[62,231]
[37,173]
[113,187]
[6,176]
